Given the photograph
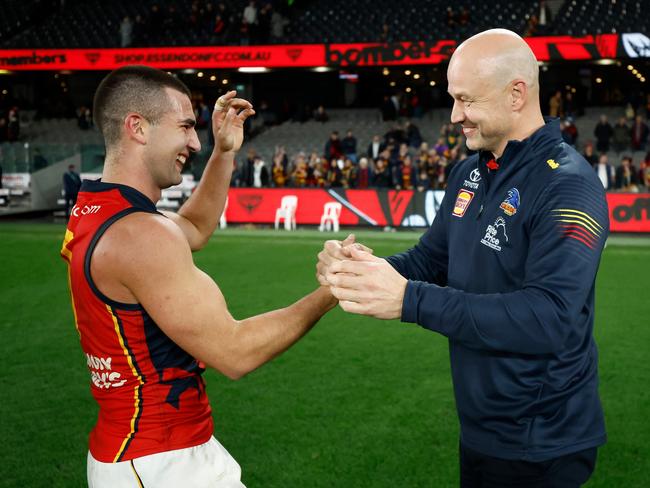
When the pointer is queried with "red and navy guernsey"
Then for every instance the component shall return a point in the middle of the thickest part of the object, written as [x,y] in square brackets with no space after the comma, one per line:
[507,272]
[150,392]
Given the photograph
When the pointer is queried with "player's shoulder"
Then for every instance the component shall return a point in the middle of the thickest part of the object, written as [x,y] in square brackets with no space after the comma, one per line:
[141,237]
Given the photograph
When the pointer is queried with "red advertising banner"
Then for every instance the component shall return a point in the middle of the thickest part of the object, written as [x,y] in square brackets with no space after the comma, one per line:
[629,212]
[303,55]
[358,207]
[311,55]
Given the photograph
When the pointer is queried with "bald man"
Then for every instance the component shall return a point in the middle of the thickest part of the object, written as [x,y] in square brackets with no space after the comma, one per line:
[507,273]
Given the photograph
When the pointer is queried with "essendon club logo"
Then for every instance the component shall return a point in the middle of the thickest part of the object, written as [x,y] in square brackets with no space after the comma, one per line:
[93,57]
[294,53]
[249,202]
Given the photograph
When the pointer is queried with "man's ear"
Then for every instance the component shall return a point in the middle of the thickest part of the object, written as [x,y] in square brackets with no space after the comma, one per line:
[518,93]
[135,127]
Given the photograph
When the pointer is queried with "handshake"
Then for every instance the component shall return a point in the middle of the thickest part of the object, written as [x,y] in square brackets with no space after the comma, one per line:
[361,282]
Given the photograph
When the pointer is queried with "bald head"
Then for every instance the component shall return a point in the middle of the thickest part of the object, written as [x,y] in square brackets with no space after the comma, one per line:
[498,56]
[493,79]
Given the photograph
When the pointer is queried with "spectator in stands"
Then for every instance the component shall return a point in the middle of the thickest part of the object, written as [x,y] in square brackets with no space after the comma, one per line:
[203,115]
[644,173]
[452,133]
[441,147]
[347,173]
[555,105]
[544,17]
[333,148]
[71,186]
[603,133]
[639,134]
[84,118]
[249,20]
[281,153]
[531,26]
[569,105]
[589,154]
[463,17]
[569,131]
[406,174]
[627,176]
[413,136]
[451,17]
[248,168]
[605,172]
[260,173]
[388,110]
[349,146]
[621,136]
[424,183]
[385,35]
[278,24]
[264,24]
[363,177]
[13,124]
[126,32]
[335,174]
[320,115]
[278,173]
[375,148]
[382,178]
[300,173]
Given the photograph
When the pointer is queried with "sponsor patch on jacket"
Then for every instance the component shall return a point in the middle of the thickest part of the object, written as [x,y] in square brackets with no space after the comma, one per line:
[474,178]
[495,234]
[463,200]
[511,203]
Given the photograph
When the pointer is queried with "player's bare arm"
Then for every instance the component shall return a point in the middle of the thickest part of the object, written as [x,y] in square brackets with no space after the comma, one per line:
[157,271]
[199,215]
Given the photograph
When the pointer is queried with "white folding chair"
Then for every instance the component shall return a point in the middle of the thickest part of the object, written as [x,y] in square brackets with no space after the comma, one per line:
[330,219]
[287,211]
[222,221]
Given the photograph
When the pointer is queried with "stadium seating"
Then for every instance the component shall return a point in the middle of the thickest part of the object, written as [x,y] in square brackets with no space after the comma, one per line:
[330,219]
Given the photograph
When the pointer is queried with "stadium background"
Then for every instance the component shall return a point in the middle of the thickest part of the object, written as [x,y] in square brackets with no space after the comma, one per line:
[358,402]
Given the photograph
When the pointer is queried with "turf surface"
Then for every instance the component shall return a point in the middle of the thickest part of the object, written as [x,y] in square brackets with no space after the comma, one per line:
[357,403]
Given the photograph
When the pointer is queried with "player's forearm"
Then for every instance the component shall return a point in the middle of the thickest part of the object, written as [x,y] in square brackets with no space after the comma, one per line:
[205,206]
[263,337]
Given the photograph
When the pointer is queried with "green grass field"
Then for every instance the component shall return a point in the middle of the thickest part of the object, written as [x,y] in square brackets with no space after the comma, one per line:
[357,403]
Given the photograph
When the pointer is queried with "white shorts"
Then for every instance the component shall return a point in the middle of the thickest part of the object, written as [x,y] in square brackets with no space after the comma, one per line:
[207,465]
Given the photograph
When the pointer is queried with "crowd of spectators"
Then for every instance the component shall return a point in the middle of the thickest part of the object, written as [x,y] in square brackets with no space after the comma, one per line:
[400,159]
[260,22]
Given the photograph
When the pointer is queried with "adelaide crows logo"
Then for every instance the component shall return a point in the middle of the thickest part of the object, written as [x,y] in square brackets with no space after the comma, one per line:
[511,203]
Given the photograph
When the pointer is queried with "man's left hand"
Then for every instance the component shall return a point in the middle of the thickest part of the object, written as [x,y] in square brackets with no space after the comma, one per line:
[367,285]
[228,119]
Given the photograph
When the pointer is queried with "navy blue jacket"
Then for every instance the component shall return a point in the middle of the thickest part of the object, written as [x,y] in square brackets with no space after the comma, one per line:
[507,272]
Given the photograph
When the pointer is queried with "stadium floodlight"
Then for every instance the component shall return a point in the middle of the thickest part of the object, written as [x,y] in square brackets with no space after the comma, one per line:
[416,76]
[200,74]
[253,69]
[407,72]
[432,83]
[322,69]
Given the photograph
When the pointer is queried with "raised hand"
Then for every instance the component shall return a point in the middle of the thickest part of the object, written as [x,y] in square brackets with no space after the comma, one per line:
[228,119]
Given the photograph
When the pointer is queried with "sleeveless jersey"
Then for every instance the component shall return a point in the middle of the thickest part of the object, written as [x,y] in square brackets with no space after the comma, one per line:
[150,392]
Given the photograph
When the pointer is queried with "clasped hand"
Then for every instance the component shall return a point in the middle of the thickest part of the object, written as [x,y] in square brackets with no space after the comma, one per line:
[363,283]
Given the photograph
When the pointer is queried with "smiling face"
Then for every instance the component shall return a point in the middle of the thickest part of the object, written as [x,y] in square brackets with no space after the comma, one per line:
[480,106]
[171,140]
[493,79]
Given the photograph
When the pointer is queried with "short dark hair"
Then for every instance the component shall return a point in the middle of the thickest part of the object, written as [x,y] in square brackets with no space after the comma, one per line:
[132,89]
